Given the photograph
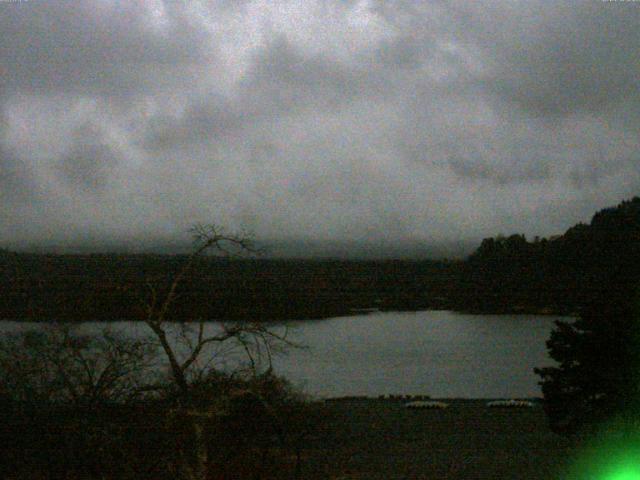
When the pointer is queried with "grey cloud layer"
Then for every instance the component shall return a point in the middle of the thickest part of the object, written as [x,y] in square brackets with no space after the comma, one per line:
[95,47]
[329,119]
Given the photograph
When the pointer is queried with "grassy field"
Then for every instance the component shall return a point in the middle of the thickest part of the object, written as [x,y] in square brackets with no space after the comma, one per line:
[381,439]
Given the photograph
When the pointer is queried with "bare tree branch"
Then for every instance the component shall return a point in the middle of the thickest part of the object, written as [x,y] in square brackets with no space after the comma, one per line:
[256,340]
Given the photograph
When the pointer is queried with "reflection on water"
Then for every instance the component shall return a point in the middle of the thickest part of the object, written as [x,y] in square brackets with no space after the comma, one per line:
[438,353]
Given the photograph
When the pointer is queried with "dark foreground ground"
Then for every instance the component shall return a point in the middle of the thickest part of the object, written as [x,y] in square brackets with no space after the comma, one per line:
[381,439]
[337,439]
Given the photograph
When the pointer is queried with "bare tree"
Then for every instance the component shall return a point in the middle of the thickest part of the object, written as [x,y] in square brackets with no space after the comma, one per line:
[63,392]
[191,347]
[60,365]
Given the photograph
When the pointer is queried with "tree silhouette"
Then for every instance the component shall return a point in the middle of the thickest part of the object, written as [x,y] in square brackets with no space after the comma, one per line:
[598,372]
[191,347]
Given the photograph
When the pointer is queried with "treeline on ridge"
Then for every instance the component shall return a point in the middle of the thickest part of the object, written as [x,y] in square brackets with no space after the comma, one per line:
[506,274]
[556,275]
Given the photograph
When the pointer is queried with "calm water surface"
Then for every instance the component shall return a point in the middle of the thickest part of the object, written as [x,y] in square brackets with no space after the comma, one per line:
[437,353]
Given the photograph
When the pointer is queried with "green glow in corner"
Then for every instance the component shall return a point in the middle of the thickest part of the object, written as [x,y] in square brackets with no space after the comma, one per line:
[610,459]
[625,473]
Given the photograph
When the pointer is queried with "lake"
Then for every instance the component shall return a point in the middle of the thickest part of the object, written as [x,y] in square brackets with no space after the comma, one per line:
[436,353]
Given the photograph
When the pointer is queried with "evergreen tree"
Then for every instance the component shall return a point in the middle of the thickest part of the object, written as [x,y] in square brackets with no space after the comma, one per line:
[598,372]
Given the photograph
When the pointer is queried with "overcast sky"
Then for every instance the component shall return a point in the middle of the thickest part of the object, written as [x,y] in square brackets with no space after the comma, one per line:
[335,120]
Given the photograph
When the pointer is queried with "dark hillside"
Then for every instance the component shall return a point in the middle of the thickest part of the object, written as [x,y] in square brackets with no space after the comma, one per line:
[112,287]
[511,274]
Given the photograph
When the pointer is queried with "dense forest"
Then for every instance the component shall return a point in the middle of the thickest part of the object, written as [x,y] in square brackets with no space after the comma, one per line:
[115,287]
[556,275]
[504,275]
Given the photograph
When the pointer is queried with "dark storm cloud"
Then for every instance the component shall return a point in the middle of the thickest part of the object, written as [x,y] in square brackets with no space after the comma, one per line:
[579,57]
[548,58]
[15,181]
[90,162]
[283,78]
[281,81]
[87,46]
[482,171]
[206,120]
[592,173]
[555,58]
[321,119]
